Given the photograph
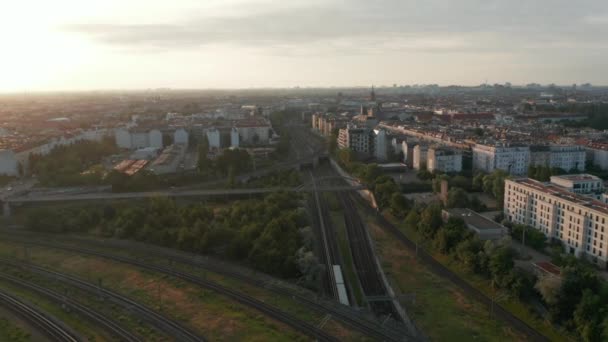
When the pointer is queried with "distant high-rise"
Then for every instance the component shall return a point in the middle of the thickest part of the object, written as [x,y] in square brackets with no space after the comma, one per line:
[372,94]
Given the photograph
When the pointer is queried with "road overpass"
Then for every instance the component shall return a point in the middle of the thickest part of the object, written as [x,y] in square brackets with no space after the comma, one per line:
[41,198]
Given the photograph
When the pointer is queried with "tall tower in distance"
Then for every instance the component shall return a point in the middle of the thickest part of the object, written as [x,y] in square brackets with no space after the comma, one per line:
[373,94]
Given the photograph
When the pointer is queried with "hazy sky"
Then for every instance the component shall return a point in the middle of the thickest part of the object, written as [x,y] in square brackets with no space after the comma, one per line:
[76,44]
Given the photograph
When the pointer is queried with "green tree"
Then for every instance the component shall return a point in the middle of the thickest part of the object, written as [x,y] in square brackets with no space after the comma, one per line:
[467,252]
[478,182]
[412,219]
[574,281]
[501,262]
[588,316]
[203,163]
[458,198]
[399,205]
[430,221]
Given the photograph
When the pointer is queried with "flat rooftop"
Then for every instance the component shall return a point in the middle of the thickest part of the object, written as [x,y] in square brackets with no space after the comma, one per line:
[472,218]
[558,191]
[578,177]
[548,267]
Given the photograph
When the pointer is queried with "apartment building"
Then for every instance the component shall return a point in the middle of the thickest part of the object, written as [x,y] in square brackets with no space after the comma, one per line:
[444,159]
[565,157]
[516,159]
[380,146]
[512,159]
[327,123]
[355,138]
[419,157]
[565,209]
[598,154]
[365,141]
[9,165]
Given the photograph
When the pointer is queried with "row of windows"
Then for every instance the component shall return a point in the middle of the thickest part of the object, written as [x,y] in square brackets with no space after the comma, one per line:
[599,253]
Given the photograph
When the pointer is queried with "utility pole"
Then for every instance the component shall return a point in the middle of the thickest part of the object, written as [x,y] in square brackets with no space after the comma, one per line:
[523,239]
[492,299]
[160,303]
[99,282]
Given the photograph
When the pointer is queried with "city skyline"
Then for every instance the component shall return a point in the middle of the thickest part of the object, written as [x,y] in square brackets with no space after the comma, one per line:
[239,44]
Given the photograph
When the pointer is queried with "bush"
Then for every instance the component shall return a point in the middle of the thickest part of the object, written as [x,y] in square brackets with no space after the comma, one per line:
[534,238]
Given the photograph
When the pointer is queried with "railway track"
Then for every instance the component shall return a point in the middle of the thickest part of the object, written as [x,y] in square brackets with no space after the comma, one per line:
[327,287]
[444,272]
[343,314]
[269,310]
[161,322]
[327,252]
[364,260]
[106,323]
[50,326]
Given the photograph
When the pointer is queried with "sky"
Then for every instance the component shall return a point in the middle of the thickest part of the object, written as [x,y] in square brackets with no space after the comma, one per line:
[142,44]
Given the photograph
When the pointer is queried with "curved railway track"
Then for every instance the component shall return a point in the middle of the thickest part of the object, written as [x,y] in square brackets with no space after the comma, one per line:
[50,326]
[343,314]
[163,323]
[106,323]
[268,310]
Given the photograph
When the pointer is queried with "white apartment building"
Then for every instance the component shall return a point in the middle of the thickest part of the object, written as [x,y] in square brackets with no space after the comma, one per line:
[444,160]
[565,157]
[598,154]
[419,157]
[253,131]
[9,166]
[512,159]
[234,137]
[180,137]
[213,137]
[578,220]
[138,138]
[380,145]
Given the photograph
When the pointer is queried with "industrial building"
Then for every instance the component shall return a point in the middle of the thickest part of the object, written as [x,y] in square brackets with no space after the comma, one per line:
[169,159]
[485,228]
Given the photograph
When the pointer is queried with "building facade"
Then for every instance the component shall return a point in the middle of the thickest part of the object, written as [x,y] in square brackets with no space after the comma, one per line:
[598,154]
[9,166]
[380,146]
[511,159]
[355,138]
[234,137]
[444,160]
[565,157]
[419,157]
[577,219]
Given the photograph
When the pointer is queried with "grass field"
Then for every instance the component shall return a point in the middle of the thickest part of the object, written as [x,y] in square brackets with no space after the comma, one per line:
[83,327]
[220,316]
[438,308]
[215,316]
[12,331]
[514,306]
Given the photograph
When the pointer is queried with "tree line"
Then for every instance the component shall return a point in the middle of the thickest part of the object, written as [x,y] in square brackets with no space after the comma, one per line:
[271,234]
[65,165]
